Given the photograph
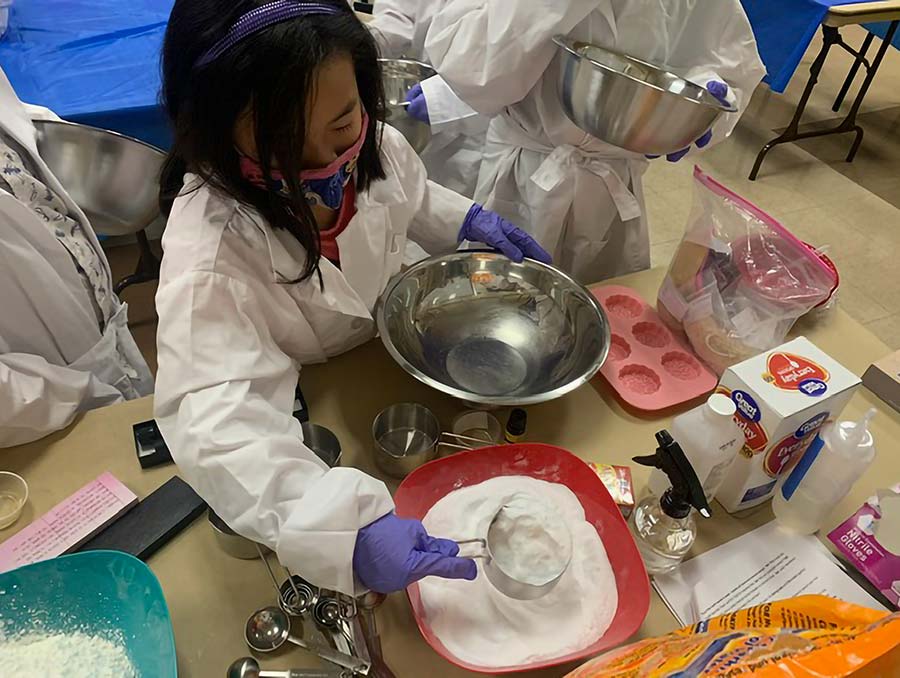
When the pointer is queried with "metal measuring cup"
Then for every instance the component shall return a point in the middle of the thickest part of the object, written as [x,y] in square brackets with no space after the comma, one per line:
[502,580]
[408,435]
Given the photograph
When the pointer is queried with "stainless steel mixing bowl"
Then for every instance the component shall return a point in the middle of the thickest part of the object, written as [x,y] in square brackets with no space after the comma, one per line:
[112,177]
[484,329]
[399,76]
[630,103]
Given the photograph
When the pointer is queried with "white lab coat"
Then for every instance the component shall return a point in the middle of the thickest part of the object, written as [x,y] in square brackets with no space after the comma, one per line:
[453,156]
[54,359]
[233,333]
[579,197]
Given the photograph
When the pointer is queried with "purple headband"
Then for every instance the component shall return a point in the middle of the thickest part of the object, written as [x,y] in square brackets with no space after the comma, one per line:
[262,17]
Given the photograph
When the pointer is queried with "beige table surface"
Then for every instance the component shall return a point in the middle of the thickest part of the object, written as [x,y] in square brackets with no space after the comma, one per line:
[210,594]
[862,13]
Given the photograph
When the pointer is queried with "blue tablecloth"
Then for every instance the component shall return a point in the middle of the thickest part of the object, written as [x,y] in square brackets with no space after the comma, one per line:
[92,61]
[97,61]
[783,30]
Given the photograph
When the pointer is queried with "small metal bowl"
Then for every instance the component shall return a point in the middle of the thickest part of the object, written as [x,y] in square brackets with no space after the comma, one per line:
[231,542]
[323,442]
[399,76]
[112,177]
[406,436]
[631,103]
[478,425]
[484,329]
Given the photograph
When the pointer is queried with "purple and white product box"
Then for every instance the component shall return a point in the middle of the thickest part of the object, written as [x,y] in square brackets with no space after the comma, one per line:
[870,540]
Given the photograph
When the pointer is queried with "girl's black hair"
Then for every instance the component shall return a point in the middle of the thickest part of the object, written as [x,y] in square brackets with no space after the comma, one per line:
[271,72]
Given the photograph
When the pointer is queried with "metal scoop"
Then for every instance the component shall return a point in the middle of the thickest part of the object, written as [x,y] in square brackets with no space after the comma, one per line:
[505,582]
[248,667]
[270,628]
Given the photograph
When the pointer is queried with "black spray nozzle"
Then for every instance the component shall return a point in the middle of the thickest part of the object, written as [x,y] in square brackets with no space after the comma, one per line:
[686,490]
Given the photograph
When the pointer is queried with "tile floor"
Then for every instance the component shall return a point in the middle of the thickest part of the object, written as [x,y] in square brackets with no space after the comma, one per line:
[854,209]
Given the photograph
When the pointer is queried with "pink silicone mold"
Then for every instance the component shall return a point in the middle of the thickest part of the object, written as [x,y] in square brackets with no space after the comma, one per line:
[648,366]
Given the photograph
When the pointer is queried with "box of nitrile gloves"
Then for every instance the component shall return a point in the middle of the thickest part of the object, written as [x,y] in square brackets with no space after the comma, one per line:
[783,397]
[870,540]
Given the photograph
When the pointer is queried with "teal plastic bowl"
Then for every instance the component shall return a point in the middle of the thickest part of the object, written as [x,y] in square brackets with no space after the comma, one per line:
[104,593]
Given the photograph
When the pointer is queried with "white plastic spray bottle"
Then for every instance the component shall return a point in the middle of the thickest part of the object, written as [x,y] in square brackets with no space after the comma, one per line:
[833,462]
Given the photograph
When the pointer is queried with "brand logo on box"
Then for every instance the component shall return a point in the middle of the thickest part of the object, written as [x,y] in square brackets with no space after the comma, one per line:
[748,418]
[812,425]
[746,406]
[795,373]
[784,454]
[813,387]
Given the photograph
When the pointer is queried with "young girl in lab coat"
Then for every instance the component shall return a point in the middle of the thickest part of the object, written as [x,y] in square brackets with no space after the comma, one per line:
[294,207]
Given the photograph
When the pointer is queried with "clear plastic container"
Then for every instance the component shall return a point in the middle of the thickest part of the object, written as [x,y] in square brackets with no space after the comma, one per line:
[710,440]
[662,540]
[13,495]
[832,463]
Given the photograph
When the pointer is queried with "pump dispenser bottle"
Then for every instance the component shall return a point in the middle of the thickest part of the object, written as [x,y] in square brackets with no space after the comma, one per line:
[826,472]
[664,526]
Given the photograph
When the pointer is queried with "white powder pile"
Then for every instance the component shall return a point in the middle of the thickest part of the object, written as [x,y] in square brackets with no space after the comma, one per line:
[529,540]
[480,625]
[64,655]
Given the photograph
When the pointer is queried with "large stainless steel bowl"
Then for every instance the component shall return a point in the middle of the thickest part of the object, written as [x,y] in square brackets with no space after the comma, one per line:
[112,177]
[630,103]
[400,76]
[484,329]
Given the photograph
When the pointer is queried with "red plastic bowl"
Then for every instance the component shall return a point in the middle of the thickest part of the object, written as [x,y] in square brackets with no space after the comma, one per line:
[425,486]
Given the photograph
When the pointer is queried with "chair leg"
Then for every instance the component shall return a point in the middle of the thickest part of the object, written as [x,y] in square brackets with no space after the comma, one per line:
[147,267]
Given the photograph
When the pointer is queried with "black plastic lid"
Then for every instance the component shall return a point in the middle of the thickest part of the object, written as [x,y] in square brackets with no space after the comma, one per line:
[518,420]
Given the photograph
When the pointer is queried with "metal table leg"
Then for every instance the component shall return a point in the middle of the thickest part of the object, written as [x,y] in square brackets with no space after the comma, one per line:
[147,268]
[851,76]
[831,36]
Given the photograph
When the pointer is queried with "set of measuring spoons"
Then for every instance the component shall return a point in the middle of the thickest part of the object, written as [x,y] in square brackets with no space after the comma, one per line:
[350,623]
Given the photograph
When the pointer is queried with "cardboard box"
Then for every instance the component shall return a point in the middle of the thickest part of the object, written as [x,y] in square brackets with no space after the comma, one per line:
[870,540]
[883,379]
[783,398]
[618,481]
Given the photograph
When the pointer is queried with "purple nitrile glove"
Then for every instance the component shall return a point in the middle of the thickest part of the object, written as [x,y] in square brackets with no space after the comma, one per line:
[482,225]
[418,107]
[393,553]
[720,91]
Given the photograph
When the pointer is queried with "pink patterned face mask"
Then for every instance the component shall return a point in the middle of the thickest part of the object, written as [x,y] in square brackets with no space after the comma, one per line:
[323,186]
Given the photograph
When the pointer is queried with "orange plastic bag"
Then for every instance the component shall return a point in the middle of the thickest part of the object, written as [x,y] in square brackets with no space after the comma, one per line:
[805,637]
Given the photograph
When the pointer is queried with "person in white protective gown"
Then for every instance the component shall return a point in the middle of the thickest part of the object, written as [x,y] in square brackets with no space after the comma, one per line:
[291,208]
[453,156]
[65,346]
[580,197]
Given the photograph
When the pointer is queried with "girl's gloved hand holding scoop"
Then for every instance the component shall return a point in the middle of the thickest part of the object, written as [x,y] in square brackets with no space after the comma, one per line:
[393,553]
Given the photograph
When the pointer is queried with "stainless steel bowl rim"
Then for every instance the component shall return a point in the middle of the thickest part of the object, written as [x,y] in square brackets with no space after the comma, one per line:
[473,397]
[405,62]
[568,44]
[42,123]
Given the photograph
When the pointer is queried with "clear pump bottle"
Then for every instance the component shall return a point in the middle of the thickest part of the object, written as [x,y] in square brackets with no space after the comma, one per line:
[826,472]
[664,526]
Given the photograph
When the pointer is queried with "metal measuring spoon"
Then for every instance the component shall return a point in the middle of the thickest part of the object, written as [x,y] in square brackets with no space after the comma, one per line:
[270,628]
[369,628]
[248,667]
